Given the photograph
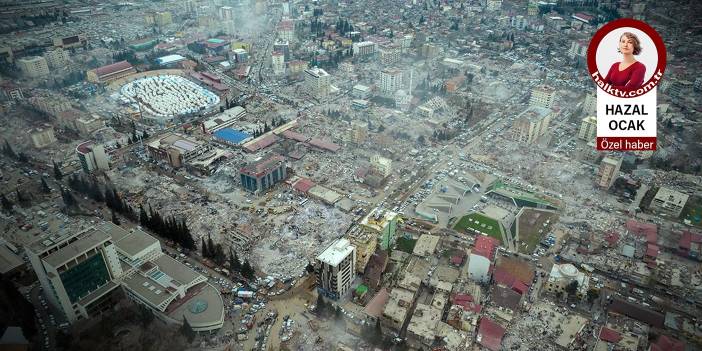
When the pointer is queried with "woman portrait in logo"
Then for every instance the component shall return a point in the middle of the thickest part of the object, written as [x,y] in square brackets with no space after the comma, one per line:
[627,74]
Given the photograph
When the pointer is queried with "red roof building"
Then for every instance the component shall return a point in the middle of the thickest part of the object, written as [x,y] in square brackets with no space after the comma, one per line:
[289,134]
[690,245]
[666,343]
[111,72]
[490,334]
[612,238]
[261,143]
[485,246]
[646,230]
[610,335]
[324,145]
[303,185]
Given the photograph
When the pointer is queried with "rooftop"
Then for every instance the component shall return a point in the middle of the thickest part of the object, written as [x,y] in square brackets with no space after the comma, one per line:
[90,239]
[263,166]
[113,68]
[336,252]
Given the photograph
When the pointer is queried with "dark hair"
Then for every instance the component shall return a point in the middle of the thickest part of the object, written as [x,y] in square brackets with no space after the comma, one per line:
[635,39]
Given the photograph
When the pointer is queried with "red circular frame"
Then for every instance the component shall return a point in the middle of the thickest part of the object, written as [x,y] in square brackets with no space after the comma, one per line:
[619,23]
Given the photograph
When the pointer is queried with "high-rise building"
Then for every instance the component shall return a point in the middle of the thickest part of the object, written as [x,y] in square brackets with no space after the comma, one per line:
[284,47]
[33,66]
[609,171]
[391,80]
[531,124]
[163,18]
[263,174]
[542,96]
[42,136]
[317,83]
[278,62]
[588,129]
[92,157]
[481,258]
[78,271]
[335,268]
[389,54]
[364,48]
[381,165]
[226,13]
[57,58]
[590,105]
[359,131]
[383,223]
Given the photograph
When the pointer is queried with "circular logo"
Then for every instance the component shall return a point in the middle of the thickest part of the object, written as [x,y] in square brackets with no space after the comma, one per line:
[626,58]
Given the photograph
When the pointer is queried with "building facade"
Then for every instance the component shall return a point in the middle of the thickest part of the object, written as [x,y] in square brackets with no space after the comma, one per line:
[542,96]
[317,83]
[278,62]
[263,174]
[391,80]
[57,58]
[33,66]
[531,124]
[78,272]
[588,129]
[43,136]
[335,268]
[609,171]
[92,157]
[669,201]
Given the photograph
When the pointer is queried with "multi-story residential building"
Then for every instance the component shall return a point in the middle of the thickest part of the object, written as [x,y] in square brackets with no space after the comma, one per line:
[360,91]
[590,105]
[481,258]
[263,174]
[542,96]
[391,80]
[669,201]
[609,171]
[278,62]
[42,136]
[57,58]
[282,46]
[317,83]
[364,48]
[383,224]
[92,157]
[335,268]
[389,54]
[381,165]
[531,124]
[33,66]
[89,123]
[365,242]
[72,41]
[588,129]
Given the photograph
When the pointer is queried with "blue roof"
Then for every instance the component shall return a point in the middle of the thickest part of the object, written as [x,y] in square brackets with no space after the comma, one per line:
[231,135]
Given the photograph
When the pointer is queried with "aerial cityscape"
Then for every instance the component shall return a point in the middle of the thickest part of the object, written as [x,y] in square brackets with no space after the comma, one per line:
[344,175]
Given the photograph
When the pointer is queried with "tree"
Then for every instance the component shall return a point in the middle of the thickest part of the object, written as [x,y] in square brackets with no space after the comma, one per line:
[592,295]
[6,203]
[57,171]
[45,187]
[145,135]
[7,149]
[310,268]
[203,247]
[146,315]
[115,219]
[219,256]
[234,263]
[211,249]
[143,217]
[321,305]
[572,288]
[22,199]
[187,330]
[247,271]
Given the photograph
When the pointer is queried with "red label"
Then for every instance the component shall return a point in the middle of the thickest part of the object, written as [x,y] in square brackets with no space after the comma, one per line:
[626,143]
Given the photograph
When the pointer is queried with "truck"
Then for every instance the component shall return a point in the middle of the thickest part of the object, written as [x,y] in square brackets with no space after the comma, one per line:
[245,293]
